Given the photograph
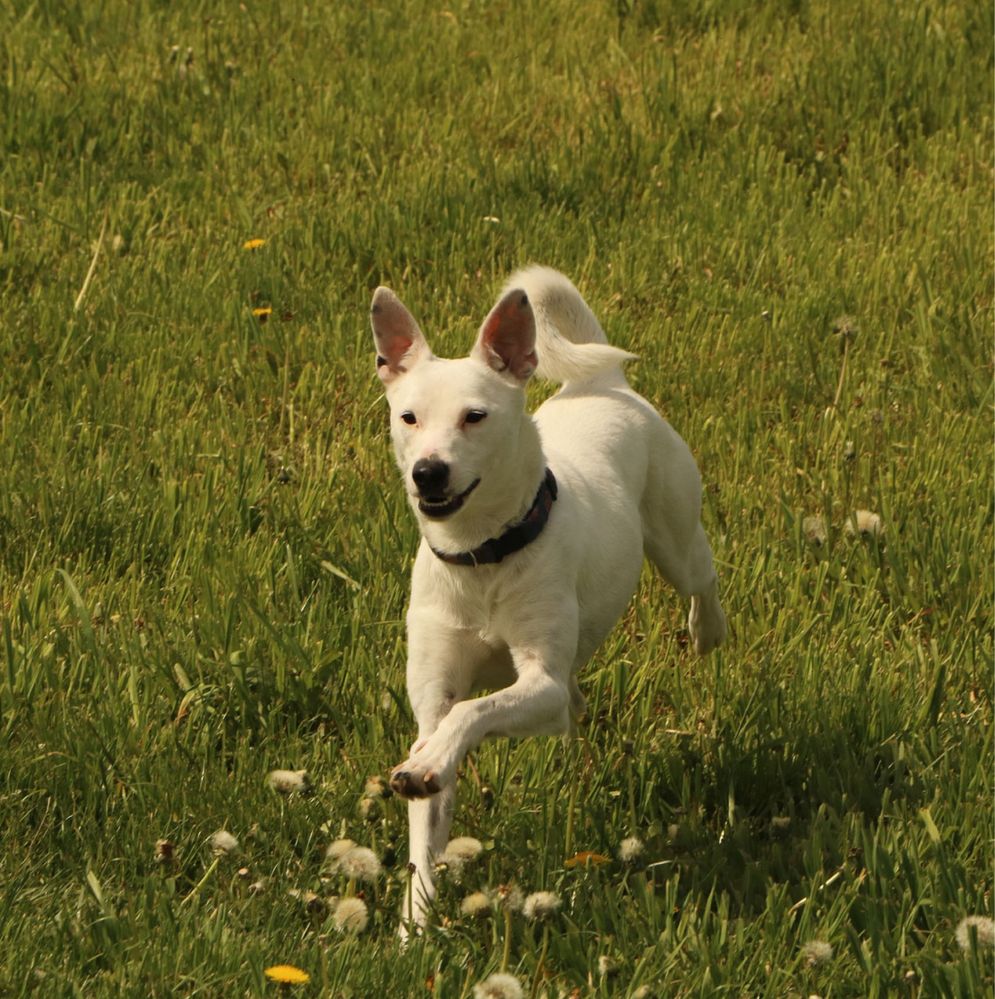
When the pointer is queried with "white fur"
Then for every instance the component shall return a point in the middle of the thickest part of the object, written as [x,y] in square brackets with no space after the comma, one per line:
[522,629]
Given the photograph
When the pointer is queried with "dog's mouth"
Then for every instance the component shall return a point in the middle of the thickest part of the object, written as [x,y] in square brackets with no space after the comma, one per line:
[438,507]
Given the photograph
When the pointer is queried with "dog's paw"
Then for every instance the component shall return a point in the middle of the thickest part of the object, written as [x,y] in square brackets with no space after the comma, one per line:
[707,623]
[410,781]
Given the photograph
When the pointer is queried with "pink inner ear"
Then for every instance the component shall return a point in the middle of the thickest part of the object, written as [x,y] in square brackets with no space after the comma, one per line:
[508,335]
[395,333]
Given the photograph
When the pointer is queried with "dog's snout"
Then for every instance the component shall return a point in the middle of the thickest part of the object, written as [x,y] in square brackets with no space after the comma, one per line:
[431,476]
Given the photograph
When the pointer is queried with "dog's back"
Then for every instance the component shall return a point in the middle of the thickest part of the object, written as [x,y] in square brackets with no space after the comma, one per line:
[614,450]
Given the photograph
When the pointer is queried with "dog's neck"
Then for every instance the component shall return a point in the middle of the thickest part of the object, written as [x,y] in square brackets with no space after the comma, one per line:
[503,498]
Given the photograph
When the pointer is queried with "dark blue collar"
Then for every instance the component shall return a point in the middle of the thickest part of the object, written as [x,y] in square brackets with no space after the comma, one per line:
[516,537]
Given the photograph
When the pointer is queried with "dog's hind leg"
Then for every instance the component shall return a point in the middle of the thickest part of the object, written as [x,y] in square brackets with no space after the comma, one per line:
[687,565]
[675,542]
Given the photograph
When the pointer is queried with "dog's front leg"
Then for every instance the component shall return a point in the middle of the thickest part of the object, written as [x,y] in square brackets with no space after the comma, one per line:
[429,817]
[429,822]
[442,664]
[536,703]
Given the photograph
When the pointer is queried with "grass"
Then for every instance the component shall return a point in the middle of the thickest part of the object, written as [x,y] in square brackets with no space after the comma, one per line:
[204,548]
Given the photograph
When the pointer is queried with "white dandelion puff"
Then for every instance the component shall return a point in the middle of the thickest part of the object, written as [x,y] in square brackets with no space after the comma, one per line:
[312,901]
[817,952]
[498,986]
[288,781]
[541,905]
[509,897]
[463,848]
[984,931]
[476,905]
[222,842]
[165,851]
[864,524]
[351,916]
[814,529]
[607,966]
[377,787]
[337,850]
[360,863]
[630,850]
[370,809]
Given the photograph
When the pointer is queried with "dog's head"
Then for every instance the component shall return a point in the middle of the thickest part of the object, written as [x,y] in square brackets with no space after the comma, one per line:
[454,423]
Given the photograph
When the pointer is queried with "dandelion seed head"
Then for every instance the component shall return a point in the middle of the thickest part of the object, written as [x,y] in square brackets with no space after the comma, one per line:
[351,916]
[630,849]
[845,326]
[817,952]
[288,781]
[498,986]
[509,897]
[814,529]
[222,842]
[607,966]
[337,849]
[464,848]
[370,809]
[165,851]
[476,905]
[360,863]
[864,523]
[377,787]
[312,901]
[541,905]
[984,929]
[780,823]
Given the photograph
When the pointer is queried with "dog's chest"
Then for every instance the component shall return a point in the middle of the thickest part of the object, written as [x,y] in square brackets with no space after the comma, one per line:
[484,600]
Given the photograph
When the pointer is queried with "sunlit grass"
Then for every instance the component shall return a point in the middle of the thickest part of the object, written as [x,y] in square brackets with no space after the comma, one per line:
[784,209]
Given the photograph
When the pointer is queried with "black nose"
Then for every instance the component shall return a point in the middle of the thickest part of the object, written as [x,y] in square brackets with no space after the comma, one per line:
[431,476]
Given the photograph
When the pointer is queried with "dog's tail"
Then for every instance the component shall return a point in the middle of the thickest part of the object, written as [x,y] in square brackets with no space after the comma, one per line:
[571,345]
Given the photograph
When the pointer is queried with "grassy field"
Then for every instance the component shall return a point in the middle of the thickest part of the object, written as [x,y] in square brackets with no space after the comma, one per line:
[785,208]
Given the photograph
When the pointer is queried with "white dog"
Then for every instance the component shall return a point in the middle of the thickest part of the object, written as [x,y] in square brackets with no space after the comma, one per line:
[533,529]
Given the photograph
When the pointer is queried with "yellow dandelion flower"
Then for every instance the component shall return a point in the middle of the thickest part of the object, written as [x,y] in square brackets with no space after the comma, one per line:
[263,313]
[253,244]
[586,859]
[287,974]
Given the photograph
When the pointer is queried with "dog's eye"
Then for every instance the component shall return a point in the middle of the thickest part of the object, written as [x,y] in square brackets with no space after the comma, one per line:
[474,416]
[409,418]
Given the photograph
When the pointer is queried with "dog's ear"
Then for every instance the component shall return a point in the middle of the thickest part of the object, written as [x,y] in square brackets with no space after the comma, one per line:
[507,339]
[398,339]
